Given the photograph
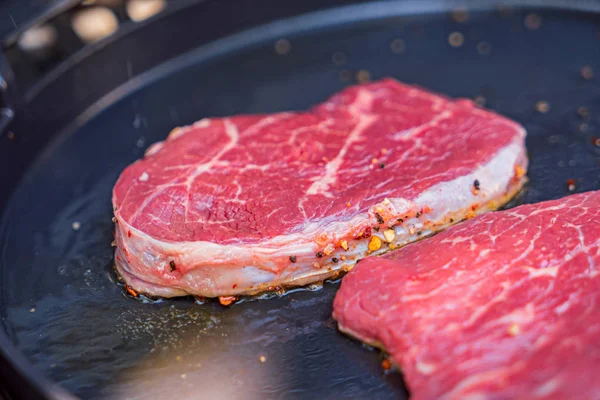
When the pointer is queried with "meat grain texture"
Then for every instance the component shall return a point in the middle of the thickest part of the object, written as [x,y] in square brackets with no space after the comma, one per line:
[244,204]
[504,306]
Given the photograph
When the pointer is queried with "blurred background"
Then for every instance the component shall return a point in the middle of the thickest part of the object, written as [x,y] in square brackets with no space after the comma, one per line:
[34,50]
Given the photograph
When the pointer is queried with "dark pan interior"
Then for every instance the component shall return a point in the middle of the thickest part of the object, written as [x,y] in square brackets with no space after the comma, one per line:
[60,304]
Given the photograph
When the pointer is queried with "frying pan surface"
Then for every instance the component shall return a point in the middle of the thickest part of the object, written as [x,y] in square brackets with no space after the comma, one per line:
[60,305]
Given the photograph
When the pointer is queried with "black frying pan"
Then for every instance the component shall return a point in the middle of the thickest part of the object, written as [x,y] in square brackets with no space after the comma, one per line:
[63,316]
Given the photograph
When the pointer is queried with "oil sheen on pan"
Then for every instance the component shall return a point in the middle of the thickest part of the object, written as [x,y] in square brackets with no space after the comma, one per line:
[245,204]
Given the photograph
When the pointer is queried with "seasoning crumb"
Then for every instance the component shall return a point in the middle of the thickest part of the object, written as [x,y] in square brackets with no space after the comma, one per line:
[587,72]
[344,244]
[374,161]
[542,106]
[363,76]
[398,46]
[456,39]
[328,249]
[380,219]
[389,235]
[172,265]
[338,58]
[400,220]
[553,139]
[293,259]
[343,257]
[484,48]
[76,225]
[533,21]
[32,310]
[583,112]
[460,15]
[382,165]
[571,185]
[348,204]
[374,243]
[345,75]
[282,46]
[320,254]
[514,330]
[386,365]
[262,359]
[316,265]
[334,260]
[113,244]
[479,101]
[476,186]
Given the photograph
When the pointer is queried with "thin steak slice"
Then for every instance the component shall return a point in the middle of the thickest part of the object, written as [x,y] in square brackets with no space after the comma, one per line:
[245,204]
[504,306]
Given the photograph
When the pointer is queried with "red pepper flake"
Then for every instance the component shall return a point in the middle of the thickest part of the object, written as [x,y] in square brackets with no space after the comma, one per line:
[227,300]
[128,233]
[234,286]
[293,259]
[366,234]
[571,185]
[542,106]
[172,265]
[386,365]
[131,291]
[596,141]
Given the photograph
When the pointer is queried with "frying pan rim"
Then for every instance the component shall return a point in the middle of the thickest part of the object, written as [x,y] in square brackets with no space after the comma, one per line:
[294,25]
[350,13]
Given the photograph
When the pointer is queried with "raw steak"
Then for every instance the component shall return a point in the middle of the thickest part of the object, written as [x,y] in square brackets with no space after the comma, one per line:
[245,204]
[504,306]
